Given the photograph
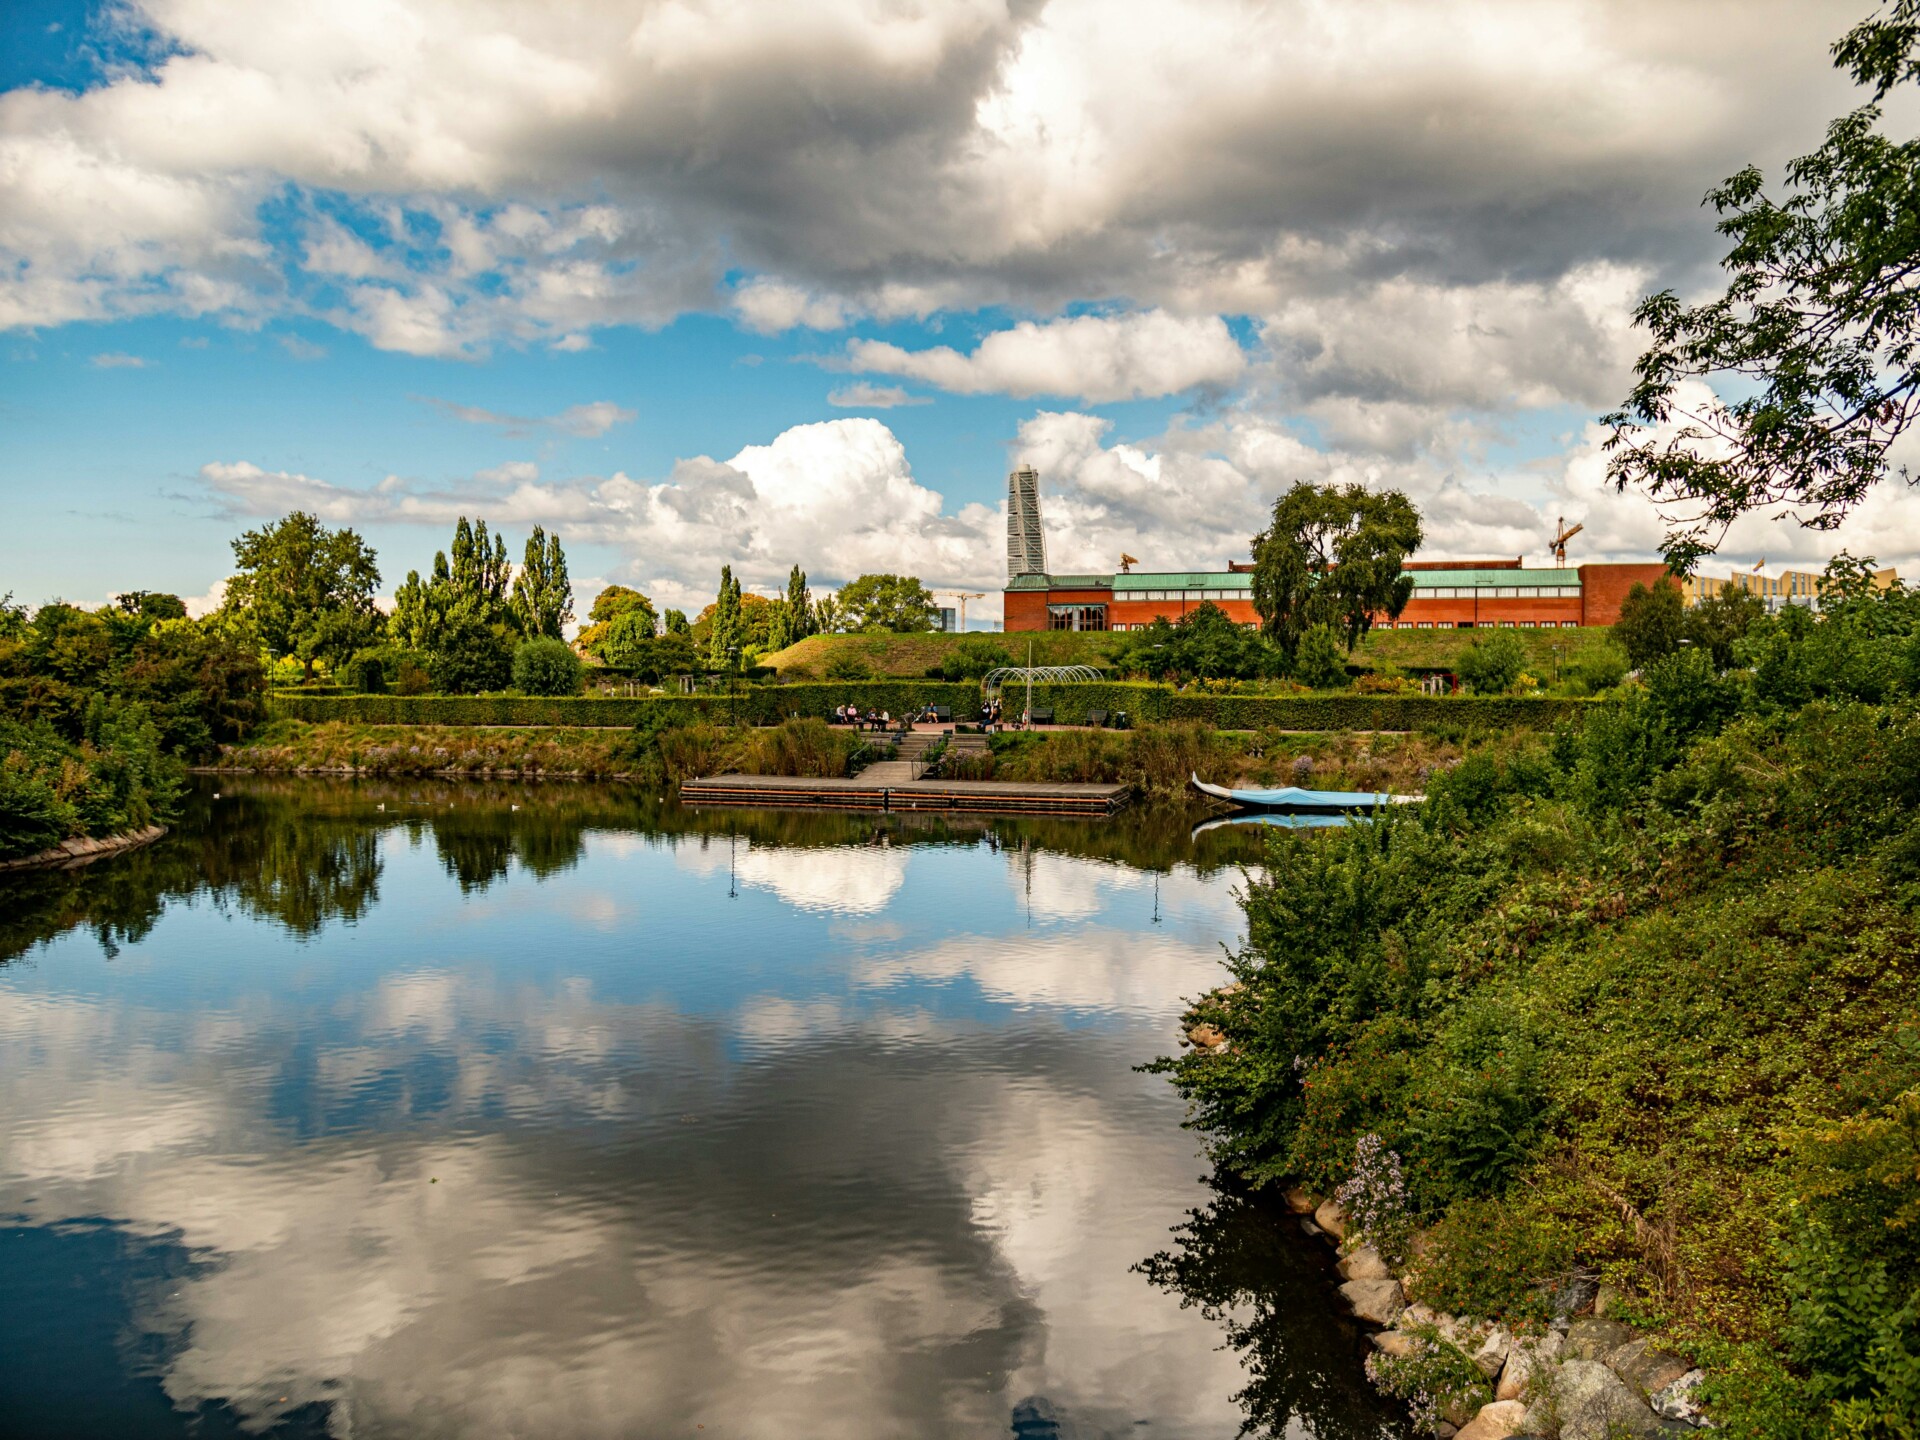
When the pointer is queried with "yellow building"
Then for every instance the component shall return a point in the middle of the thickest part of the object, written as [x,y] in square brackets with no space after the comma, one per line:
[1790,587]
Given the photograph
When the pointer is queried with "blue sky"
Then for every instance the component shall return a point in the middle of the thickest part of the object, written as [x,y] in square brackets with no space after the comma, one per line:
[755,285]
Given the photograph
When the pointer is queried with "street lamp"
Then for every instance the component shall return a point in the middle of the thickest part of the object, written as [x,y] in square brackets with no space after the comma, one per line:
[733,676]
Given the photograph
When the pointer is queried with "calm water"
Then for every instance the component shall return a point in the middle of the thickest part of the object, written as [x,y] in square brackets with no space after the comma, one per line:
[427,1110]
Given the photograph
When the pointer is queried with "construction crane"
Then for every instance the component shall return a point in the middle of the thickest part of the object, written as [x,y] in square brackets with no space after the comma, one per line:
[1127,562]
[963,596]
[1560,538]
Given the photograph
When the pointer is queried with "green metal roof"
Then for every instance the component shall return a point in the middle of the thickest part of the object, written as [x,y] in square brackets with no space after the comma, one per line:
[1429,579]
[1183,580]
[1243,580]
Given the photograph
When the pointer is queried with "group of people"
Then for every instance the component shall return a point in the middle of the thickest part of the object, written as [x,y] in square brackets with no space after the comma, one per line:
[871,720]
[993,717]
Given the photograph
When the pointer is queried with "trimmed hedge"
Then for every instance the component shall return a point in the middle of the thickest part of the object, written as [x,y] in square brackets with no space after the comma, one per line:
[768,705]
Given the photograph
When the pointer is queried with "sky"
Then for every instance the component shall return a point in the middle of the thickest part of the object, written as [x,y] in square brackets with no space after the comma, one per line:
[705,282]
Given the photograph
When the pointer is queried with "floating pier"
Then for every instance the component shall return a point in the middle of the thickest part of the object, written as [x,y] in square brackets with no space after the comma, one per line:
[980,797]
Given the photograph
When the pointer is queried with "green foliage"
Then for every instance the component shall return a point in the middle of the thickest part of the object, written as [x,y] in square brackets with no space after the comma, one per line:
[1435,1377]
[199,687]
[845,665]
[973,658]
[1203,643]
[1652,622]
[1721,621]
[794,616]
[897,603]
[303,591]
[675,623]
[1320,661]
[1496,1257]
[620,623]
[1491,664]
[1598,669]
[151,604]
[545,666]
[1331,556]
[1815,334]
[1070,703]
[116,779]
[725,640]
[542,594]
[1636,998]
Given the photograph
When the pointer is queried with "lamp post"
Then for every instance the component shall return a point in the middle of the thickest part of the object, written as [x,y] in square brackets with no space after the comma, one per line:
[733,677]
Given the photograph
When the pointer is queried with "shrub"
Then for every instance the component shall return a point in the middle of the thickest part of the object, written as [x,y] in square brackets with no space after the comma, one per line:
[845,665]
[1599,668]
[1496,1257]
[546,666]
[1322,661]
[1491,664]
[1438,1380]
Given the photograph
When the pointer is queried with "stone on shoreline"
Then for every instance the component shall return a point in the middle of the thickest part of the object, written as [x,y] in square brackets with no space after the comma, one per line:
[1647,1370]
[1332,1218]
[1676,1401]
[1591,1339]
[1528,1359]
[1593,1403]
[1496,1421]
[1377,1302]
[1491,1356]
[1363,1263]
[1298,1200]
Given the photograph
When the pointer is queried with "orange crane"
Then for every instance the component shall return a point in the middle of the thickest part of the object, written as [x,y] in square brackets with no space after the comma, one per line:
[963,596]
[1560,538]
[1127,562]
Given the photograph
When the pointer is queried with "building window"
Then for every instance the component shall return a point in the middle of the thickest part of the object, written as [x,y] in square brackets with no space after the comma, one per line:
[1569,624]
[1527,592]
[1506,592]
[1506,625]
[1076,617]
[1526,624]
[1425,625]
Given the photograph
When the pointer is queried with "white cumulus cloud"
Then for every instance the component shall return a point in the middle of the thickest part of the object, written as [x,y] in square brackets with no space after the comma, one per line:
[1098,358]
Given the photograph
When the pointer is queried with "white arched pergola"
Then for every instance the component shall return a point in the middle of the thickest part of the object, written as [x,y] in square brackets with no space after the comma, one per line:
[1030,675]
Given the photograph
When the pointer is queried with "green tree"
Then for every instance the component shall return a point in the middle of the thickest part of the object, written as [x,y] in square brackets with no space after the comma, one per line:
[546,666]
[1652,622]
[151,604]
[1332,556]
[620,619]
[1321,660]
[1818,333]
[461,618]
[1718,623]
[897,603]
[304,591]
[542,593]
[797,616]
[1491,664]
[724,638]
[1203,643]
[676,623]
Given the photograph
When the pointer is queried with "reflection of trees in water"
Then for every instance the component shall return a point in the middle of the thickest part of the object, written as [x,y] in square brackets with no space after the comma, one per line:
[306,852]
[1245,1262]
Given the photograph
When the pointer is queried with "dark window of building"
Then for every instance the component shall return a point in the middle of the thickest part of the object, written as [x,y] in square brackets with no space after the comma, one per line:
[1076,617]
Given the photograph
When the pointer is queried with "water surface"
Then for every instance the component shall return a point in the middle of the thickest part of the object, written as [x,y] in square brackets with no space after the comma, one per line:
[413,1109]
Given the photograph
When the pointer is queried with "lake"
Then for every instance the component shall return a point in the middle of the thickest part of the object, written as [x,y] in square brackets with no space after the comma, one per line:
[421,1109]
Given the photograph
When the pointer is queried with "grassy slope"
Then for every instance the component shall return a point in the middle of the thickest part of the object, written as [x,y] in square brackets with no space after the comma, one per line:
[913,655]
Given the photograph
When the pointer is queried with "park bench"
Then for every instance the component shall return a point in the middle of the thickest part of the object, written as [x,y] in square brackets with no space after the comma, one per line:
[1097,719]
[1041,717]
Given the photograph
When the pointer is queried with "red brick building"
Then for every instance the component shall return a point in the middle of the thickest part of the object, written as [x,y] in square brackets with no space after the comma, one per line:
[1447,594]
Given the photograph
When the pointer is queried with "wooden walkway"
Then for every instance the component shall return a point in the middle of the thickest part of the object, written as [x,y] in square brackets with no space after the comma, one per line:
[873,790]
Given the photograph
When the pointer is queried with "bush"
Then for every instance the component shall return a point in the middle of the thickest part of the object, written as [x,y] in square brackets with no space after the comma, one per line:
[845,665]
[1496,1257]
[547,667]
[1438,1380]
[1491,664]
[1322,660]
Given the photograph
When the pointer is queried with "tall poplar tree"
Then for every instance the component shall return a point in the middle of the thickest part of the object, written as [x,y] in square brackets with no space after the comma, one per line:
[542,593]
[726,620]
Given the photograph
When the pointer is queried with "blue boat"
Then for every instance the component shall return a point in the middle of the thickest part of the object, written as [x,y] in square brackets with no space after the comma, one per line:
[1293,799]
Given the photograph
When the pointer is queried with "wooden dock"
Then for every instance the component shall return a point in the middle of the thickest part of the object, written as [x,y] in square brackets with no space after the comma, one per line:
[871,791]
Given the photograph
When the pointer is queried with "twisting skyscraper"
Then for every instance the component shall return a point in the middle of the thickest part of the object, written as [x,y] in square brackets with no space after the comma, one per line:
[1026,540]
